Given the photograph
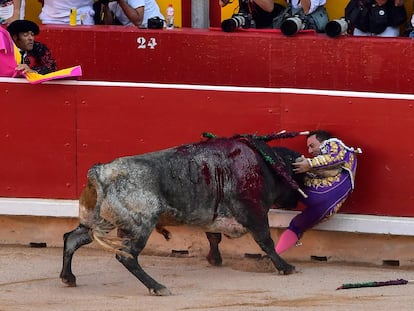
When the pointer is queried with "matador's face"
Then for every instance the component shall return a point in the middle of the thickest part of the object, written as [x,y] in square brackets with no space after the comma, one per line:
[313,145]
[24,40]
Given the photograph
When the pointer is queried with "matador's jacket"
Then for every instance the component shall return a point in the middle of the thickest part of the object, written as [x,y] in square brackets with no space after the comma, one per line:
[329,182]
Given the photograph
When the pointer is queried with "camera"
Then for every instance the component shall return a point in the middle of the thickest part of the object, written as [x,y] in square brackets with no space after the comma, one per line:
[292,25]
[241,19]
[336,27]
[155,23]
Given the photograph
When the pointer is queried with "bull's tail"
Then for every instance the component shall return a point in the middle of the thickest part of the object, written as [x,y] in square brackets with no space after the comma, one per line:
[113,244]
[103,227]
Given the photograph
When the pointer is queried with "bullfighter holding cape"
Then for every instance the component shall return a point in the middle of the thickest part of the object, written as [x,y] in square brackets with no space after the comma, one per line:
[22,56]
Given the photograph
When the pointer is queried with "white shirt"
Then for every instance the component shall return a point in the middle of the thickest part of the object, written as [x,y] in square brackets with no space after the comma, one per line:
[58,11]
[6,11]
[151,9]
[314,4]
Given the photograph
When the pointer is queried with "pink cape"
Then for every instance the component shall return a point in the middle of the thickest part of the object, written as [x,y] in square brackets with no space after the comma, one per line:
[10,56]
[7,60]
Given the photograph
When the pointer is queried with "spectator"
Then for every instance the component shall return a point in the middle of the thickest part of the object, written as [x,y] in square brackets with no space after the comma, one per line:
[263,11]
[58,11]
[129,12]
[329,180]
[375,17]
[36,57]
[312,13]
[11,10]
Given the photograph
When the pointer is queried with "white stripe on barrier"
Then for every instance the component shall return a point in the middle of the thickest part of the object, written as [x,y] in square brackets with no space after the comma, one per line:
[242,89]
[277,218]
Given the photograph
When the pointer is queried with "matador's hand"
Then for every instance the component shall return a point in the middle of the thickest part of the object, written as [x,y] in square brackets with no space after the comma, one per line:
[23,68]
[302,166]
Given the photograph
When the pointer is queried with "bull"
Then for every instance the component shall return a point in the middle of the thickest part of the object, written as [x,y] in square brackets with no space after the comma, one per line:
[223,185]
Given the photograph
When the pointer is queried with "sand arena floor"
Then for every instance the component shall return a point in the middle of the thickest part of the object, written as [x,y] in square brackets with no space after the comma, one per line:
[29,280]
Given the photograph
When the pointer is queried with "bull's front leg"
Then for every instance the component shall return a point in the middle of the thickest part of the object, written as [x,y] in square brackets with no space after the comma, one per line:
[259,228]
[73,240]
[263,238]
[214,256]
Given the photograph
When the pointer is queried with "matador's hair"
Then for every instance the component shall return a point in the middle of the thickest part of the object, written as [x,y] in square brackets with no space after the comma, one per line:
[321,135]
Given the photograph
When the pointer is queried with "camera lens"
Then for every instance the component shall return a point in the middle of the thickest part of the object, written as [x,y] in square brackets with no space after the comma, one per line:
[231,24]
[336,27]
[291,26]
[228,25]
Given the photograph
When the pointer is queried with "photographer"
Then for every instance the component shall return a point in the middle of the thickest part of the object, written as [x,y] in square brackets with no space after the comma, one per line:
[376,17]
[263,11]
[128,12]
[312,13]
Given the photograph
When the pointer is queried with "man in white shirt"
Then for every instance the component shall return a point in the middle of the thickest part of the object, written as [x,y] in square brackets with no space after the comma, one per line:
[308,6]
[11,10]
[58,11]
[131,12]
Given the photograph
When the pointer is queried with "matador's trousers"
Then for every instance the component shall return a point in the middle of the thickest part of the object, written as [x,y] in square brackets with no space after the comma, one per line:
[325,197]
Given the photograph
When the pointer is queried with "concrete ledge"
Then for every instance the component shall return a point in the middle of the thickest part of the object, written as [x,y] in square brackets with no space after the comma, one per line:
[352,223]
[38,207]
[277,218]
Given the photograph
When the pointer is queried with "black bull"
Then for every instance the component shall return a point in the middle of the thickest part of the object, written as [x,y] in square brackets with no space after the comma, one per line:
[221,185]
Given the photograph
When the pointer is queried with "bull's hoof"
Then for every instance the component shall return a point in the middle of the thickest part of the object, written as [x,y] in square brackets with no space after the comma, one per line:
[70,283]
[287,270]
[160,292]
[214,261]
[69,280]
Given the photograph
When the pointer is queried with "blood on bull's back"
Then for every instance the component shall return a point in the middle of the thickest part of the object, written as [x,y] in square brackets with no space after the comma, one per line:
[192,183]
[209,179]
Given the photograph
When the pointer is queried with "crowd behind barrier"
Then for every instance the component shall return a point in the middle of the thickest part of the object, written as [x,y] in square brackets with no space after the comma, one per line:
[384,18]
[364,17]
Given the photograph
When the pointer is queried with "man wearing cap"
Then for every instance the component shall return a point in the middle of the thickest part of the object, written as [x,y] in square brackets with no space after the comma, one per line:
[36,57]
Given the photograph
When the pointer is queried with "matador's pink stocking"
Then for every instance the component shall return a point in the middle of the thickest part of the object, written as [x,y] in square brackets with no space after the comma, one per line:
[286,241]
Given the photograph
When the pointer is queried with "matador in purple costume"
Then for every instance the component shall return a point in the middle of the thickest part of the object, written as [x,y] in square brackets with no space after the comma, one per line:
[329,180]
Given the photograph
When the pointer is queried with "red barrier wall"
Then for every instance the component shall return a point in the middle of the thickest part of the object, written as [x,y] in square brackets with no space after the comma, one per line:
[52,133]
[244,58]
[38,141]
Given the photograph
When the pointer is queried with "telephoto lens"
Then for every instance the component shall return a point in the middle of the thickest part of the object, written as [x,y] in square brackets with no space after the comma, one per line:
[291,26]
[336,27]
[238,20]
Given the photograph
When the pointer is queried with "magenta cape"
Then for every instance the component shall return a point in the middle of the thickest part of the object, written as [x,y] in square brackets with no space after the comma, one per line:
[9,58]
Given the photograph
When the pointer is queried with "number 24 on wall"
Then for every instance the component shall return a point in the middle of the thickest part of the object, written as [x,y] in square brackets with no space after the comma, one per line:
[143,44]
